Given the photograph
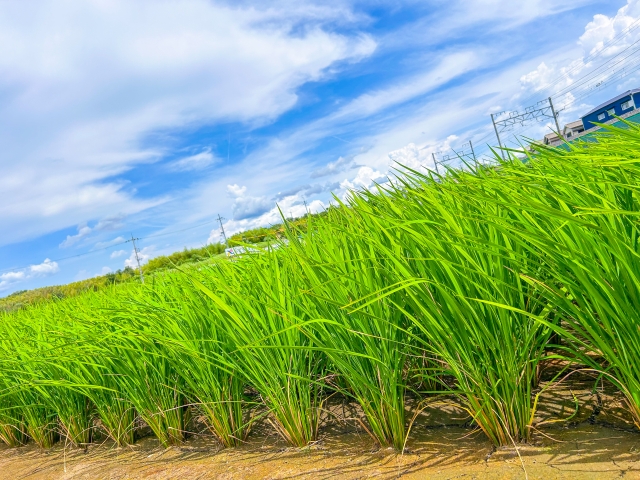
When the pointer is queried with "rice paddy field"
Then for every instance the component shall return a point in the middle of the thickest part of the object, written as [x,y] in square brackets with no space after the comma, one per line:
[474,297]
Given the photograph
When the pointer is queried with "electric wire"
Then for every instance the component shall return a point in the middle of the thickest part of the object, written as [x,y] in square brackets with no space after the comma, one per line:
[15,269]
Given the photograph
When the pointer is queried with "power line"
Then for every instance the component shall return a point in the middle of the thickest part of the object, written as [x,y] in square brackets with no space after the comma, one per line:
[178,231]
[618,76]
[107,247]
[594,73]
[589,58]
[67,258]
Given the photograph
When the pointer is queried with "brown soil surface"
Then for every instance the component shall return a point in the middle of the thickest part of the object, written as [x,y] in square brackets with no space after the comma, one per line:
[597,442]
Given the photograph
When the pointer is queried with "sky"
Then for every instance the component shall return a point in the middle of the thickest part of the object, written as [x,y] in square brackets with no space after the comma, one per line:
[150,118]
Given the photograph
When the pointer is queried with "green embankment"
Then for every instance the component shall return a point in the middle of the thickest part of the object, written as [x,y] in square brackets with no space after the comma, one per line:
[212,252]
[458,285]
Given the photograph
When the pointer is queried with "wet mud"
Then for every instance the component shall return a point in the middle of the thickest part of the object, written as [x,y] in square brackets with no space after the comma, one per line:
[581,433]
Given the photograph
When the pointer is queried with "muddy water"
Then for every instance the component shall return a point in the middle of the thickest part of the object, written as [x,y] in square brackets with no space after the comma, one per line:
[597,442]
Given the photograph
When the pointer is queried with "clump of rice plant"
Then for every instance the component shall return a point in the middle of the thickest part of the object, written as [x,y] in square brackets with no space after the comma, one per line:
[457,272]
[257,304]
[578,208]
[187,324]
[12,427]
[367,348]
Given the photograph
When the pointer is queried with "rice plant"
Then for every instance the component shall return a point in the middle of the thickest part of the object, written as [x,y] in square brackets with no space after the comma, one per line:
[456,271]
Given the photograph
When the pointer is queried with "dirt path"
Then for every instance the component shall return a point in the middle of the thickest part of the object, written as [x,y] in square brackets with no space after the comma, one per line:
[599,442]
[586,452]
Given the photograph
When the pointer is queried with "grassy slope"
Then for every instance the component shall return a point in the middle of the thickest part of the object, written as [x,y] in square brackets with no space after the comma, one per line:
[22,298]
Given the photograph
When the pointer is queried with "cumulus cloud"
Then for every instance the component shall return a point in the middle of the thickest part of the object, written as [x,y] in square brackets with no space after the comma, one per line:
[604,38]
[249,207]
[246,206]
[44,269]
[422,158]
[118,254]
[236,190]
[144,255]
[290,206]
[305,191]
[364,179]
[83,231]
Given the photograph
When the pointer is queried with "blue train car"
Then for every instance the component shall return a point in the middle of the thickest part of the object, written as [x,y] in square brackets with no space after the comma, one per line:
[618,106]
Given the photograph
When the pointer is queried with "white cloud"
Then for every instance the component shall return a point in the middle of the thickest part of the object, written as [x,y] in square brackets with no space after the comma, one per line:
[83,231]
[105,270]
[198,161]
[110,243]
[575,79]
[248,207]
[449,67]
[78,100]
[538,78]
[112,222]
[245,206]
[422,158]
[118,254]
[291,206]
[236,190]
[331,168]
[364,179]
[43,269]
[144,255]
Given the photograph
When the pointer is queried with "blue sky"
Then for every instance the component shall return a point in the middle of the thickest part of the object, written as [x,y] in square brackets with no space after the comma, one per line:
[151,118]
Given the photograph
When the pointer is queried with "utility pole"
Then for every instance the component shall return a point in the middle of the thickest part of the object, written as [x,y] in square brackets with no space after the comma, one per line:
[224,235]
[435,162]
[497,135]
[475,160]
[555,117]
[135,250]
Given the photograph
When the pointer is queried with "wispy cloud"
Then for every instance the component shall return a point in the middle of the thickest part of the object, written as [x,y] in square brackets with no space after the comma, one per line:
[112,222]
[79,116]
[196,162]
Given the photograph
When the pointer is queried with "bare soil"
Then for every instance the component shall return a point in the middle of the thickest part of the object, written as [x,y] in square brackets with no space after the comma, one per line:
[598,441]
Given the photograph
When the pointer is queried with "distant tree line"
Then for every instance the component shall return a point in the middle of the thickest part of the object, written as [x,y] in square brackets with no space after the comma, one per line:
[22,298]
